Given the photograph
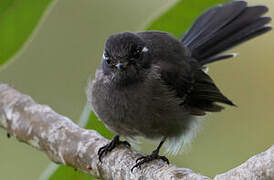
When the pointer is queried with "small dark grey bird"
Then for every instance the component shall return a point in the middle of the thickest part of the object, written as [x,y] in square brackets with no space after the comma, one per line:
[153,85]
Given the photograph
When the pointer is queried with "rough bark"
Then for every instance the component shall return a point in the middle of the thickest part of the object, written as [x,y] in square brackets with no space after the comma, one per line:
[65,142]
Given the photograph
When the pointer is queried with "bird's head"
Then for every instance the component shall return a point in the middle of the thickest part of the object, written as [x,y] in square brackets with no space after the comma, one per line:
[125,57]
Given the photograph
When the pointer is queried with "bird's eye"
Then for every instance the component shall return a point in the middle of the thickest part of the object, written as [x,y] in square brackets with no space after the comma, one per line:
[108,61]
[137,53]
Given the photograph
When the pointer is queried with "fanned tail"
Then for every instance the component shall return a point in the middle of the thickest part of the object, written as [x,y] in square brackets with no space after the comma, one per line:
[223,27]
[215,31]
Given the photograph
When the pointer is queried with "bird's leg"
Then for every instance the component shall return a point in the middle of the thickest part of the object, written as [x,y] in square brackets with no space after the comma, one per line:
[154,155]
[110,146]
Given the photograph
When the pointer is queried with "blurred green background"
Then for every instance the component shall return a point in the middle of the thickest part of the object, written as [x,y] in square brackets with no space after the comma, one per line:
[66,49]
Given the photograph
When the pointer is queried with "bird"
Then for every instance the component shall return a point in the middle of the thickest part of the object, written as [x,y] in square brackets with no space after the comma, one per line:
[153,85]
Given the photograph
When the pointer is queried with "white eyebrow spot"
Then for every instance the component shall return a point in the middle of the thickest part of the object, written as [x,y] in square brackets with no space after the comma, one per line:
[104,56]
[145,49]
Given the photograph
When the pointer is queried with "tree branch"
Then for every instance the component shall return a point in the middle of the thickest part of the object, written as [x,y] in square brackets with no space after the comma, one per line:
[65,142]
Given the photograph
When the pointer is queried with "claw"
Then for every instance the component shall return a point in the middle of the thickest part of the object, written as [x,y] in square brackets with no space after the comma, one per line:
[103,150]
[125,143]
[109,147]
[145,159]
[154,155]
[135,166]
[164,159]
[140,158]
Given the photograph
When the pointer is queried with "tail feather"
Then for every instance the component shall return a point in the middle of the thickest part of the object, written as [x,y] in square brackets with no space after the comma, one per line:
[247,33]
[215,31]
[198,27]
[223,27]
[222,15]
[247,16]
[218,58]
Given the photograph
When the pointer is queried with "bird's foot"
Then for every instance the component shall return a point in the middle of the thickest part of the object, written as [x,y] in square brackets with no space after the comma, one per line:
[145,159]
[110,146]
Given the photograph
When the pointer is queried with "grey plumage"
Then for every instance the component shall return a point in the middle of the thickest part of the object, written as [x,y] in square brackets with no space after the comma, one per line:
[151,84]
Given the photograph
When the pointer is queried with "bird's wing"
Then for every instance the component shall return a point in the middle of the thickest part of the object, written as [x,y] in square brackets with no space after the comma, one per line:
[176,77]
[205,94]
[196,89]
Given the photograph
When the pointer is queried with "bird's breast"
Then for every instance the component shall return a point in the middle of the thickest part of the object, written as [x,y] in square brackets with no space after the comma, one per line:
[147,109]
[121,109]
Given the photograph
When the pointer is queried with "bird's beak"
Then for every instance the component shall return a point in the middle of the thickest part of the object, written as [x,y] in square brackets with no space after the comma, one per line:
[121,65]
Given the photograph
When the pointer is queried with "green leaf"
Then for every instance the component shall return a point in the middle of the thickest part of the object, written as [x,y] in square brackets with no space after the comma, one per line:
[97,125]
[176,20]
[89,120]
[181,16]
[68,173]
[18,18]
